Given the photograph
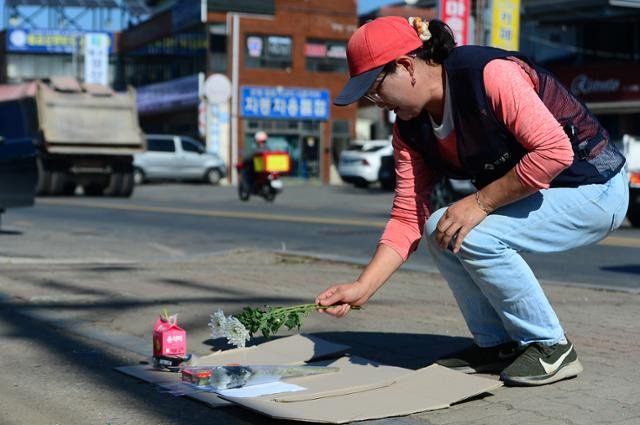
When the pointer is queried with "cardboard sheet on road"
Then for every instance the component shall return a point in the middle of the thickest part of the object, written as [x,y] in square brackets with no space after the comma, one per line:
[362,389]
[296,349]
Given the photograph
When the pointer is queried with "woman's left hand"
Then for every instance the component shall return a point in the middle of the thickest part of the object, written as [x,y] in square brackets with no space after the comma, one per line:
[457,222]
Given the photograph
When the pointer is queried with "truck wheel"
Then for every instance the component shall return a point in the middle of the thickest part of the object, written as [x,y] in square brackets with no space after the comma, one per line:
[126,185]
[93,189]
[114,185]
[60,184]
[44,180]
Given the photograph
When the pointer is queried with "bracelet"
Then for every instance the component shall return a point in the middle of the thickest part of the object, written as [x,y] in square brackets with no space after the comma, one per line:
[482,207]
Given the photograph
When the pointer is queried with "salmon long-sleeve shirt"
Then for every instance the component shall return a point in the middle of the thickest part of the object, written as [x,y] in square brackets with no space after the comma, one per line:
[511,88]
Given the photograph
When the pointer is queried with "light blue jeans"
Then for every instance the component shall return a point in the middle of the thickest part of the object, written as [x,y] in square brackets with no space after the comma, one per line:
[500,298]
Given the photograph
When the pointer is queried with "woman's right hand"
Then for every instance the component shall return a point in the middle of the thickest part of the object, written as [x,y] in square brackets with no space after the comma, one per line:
[342,297]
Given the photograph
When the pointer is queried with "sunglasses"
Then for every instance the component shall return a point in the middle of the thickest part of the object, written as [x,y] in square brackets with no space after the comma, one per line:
[372,95]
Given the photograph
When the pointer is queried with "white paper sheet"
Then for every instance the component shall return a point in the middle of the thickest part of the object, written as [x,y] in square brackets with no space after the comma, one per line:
[261,389]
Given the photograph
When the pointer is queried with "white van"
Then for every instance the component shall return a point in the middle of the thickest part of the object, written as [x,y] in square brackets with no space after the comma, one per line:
[172,157]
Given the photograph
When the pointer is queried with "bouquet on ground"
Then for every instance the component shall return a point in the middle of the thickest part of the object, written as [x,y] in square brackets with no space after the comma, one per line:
[238,329]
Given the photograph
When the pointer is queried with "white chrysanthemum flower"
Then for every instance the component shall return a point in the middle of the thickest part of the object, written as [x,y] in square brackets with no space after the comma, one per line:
[236,333]
[218,324]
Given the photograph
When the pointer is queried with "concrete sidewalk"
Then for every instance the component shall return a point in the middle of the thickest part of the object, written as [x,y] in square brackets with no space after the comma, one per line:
[66,325]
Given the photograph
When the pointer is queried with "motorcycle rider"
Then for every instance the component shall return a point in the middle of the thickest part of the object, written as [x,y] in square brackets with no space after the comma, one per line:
[248,169]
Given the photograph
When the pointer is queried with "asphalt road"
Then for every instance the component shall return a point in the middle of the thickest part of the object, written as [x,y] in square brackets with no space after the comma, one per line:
[83,279]
[174,221]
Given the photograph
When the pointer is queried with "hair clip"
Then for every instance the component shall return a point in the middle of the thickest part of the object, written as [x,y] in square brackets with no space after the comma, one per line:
[421,27]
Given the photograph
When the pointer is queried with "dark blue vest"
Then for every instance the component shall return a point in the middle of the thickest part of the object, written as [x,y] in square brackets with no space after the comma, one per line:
[486,149]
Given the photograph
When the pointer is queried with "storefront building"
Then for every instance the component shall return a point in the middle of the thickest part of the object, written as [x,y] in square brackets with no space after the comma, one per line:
[612,93]
[284,61]
[374,122]
[594,49]
[32,53]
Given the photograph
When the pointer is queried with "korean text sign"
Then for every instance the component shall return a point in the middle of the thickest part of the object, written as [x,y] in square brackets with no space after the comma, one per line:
[505,25]
[456,14]
[49,40]
[285,103]
[96,58]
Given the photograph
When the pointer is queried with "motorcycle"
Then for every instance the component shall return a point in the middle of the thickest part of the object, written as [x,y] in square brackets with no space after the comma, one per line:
[265,183]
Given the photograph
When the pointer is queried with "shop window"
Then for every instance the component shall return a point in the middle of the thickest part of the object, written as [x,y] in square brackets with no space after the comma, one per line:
[340,127]
[260,124]
[190,145]
[171,57]
[218,52]
[268,51]
[160,145]
[325,56]
[310,125]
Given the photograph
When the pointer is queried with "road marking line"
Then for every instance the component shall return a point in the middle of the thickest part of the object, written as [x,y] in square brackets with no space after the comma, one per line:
[224,214]
[64,261]
[608,241]
[620,241]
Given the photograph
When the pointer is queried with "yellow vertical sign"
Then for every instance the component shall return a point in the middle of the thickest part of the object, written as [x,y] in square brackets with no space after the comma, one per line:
[505,26]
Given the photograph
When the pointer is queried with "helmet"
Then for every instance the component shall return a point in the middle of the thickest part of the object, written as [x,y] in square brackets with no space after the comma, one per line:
[261,137]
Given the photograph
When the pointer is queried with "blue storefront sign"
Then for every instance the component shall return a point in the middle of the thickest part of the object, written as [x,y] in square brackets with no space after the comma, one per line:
[285,103]
[48,41]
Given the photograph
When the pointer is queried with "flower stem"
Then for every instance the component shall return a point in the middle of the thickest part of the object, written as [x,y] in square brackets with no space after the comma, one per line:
[310,307]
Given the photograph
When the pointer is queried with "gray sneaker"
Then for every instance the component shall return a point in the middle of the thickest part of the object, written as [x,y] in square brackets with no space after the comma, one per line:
[481,359]
[542,364]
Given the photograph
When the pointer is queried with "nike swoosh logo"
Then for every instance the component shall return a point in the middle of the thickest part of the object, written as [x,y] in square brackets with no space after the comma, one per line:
[552,368]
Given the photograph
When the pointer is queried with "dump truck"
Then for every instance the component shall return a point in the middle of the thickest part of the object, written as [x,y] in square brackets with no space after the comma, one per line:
[85,134]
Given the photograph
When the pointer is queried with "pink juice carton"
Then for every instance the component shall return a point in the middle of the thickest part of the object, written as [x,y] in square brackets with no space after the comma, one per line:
[169,339]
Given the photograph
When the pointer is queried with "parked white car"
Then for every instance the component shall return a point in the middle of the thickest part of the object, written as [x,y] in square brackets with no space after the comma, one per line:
[172,157]
[360,162]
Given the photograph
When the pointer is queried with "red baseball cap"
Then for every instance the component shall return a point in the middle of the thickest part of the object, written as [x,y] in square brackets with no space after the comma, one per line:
[370,48]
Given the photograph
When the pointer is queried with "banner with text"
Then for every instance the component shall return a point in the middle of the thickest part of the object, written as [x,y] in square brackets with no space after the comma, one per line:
[456,14]
[601,82]
[287,103]
[505,25]
[96,58]
[49,40]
